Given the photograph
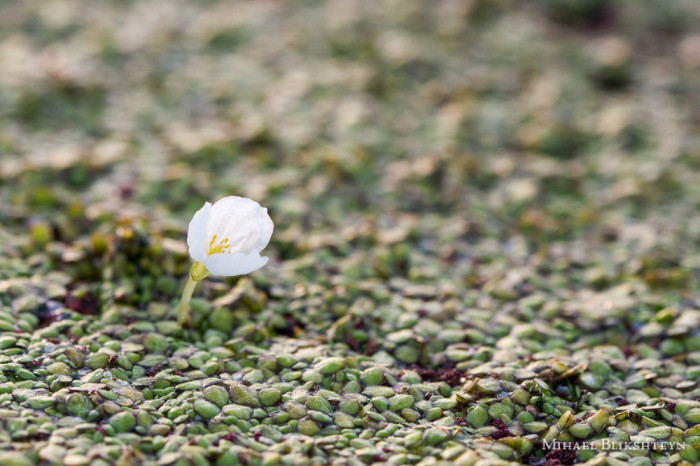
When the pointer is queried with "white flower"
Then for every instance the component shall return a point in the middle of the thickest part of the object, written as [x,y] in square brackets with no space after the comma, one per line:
[227,237]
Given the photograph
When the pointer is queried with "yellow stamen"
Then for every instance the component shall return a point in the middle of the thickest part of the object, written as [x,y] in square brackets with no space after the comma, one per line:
[218,247]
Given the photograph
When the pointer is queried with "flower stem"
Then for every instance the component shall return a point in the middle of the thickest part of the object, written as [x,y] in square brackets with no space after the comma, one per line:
[183,313]
[198,271]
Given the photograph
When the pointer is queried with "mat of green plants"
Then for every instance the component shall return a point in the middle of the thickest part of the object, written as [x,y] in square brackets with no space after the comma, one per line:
[486,232]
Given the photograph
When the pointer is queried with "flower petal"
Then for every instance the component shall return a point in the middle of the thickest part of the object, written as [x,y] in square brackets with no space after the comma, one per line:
[266,228]
[228,265]
[197,233]
[245,225]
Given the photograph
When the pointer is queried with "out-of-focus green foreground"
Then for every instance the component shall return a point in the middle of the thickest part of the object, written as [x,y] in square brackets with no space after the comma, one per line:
[497,201]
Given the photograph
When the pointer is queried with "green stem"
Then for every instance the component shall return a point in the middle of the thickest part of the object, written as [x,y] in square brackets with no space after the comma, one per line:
[183,313]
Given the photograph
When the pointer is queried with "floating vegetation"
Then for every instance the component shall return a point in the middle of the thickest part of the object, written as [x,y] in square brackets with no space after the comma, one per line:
[485,248]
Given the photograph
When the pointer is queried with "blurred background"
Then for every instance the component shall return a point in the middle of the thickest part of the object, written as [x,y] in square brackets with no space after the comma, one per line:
[388,138]
[472,189]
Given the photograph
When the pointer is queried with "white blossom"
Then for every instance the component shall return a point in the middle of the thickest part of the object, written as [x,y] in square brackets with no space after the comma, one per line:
[227,237]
